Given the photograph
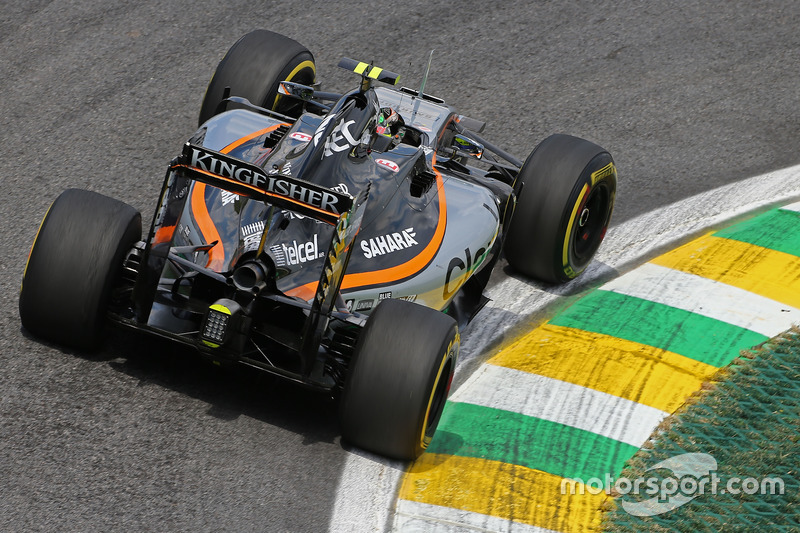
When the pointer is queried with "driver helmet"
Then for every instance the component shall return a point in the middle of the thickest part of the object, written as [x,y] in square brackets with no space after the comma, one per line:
[389,122]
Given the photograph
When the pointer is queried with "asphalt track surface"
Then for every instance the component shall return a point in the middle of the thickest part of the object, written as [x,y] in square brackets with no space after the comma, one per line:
[100,95]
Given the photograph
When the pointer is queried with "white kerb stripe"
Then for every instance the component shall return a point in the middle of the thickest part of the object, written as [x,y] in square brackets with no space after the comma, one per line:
[792,207]
[706,297]
[415,517]
[561,402]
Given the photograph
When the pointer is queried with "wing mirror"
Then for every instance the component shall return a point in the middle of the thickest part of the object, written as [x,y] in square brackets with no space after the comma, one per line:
[302,92]
[465,145]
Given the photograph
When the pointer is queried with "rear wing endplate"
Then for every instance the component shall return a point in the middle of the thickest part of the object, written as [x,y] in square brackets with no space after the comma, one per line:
[336,260]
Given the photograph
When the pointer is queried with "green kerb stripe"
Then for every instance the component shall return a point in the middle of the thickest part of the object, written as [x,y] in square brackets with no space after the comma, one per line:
[777,230]
[701,338]
[468,430]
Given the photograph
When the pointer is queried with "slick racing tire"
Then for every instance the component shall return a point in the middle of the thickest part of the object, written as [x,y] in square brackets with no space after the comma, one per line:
[563,210]
[254,66]
[399,379]
[74,262]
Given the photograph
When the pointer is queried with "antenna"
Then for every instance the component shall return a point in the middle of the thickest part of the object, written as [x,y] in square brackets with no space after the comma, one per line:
[427,70]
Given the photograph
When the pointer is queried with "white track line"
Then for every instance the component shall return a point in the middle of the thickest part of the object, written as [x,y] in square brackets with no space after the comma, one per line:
[415,517]
[562,402]
[367,490]
[706,297]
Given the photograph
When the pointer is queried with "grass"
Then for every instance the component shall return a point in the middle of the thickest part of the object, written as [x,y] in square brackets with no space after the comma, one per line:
[748,419]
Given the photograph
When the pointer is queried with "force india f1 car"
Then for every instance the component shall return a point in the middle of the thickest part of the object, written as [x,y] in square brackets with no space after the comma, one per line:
[337,241]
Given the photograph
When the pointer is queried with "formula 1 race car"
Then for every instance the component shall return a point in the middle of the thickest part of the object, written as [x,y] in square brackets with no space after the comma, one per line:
[335,240]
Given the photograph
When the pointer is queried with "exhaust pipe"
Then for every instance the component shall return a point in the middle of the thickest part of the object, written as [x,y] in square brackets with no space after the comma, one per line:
[251,276]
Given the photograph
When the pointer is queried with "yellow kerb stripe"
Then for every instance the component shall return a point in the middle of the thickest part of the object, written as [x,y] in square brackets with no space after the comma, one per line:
[643,374]
[499,489]
[769,273]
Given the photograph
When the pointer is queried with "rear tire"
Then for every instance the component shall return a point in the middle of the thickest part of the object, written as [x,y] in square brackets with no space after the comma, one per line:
[254,66]
[399,379]
[563,209]
[75,261]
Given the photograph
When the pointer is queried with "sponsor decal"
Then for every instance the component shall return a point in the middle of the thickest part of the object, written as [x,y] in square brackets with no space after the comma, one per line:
[280,185]
[606,171]
[364,305]
[342,188]
[409,298]
[460,267]
[299,136]
[389,243]
[391,165]
[251,235]
[340,139]
[291,215]
[295,254]
[348,304]
[333,272]
[385,295]
[321,128]
[228,197]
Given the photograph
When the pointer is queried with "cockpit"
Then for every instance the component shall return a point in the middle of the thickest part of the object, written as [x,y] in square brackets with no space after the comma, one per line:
[423,118]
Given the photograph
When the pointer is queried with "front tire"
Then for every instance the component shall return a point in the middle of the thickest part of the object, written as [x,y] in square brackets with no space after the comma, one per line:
[399,379]
[563,210]
[75,261]
[254,66]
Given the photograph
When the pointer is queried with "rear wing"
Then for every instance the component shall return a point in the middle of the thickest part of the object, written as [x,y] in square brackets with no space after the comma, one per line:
[241,177]
[309,199]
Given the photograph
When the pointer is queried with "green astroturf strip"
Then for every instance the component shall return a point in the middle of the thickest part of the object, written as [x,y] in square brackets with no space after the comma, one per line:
[701,338]
[777,230]
[749,422]
[468,430]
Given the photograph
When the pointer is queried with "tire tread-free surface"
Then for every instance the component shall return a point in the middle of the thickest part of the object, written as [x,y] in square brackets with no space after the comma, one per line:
[252,69]
[75,260]
[553,177]
[398,359]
